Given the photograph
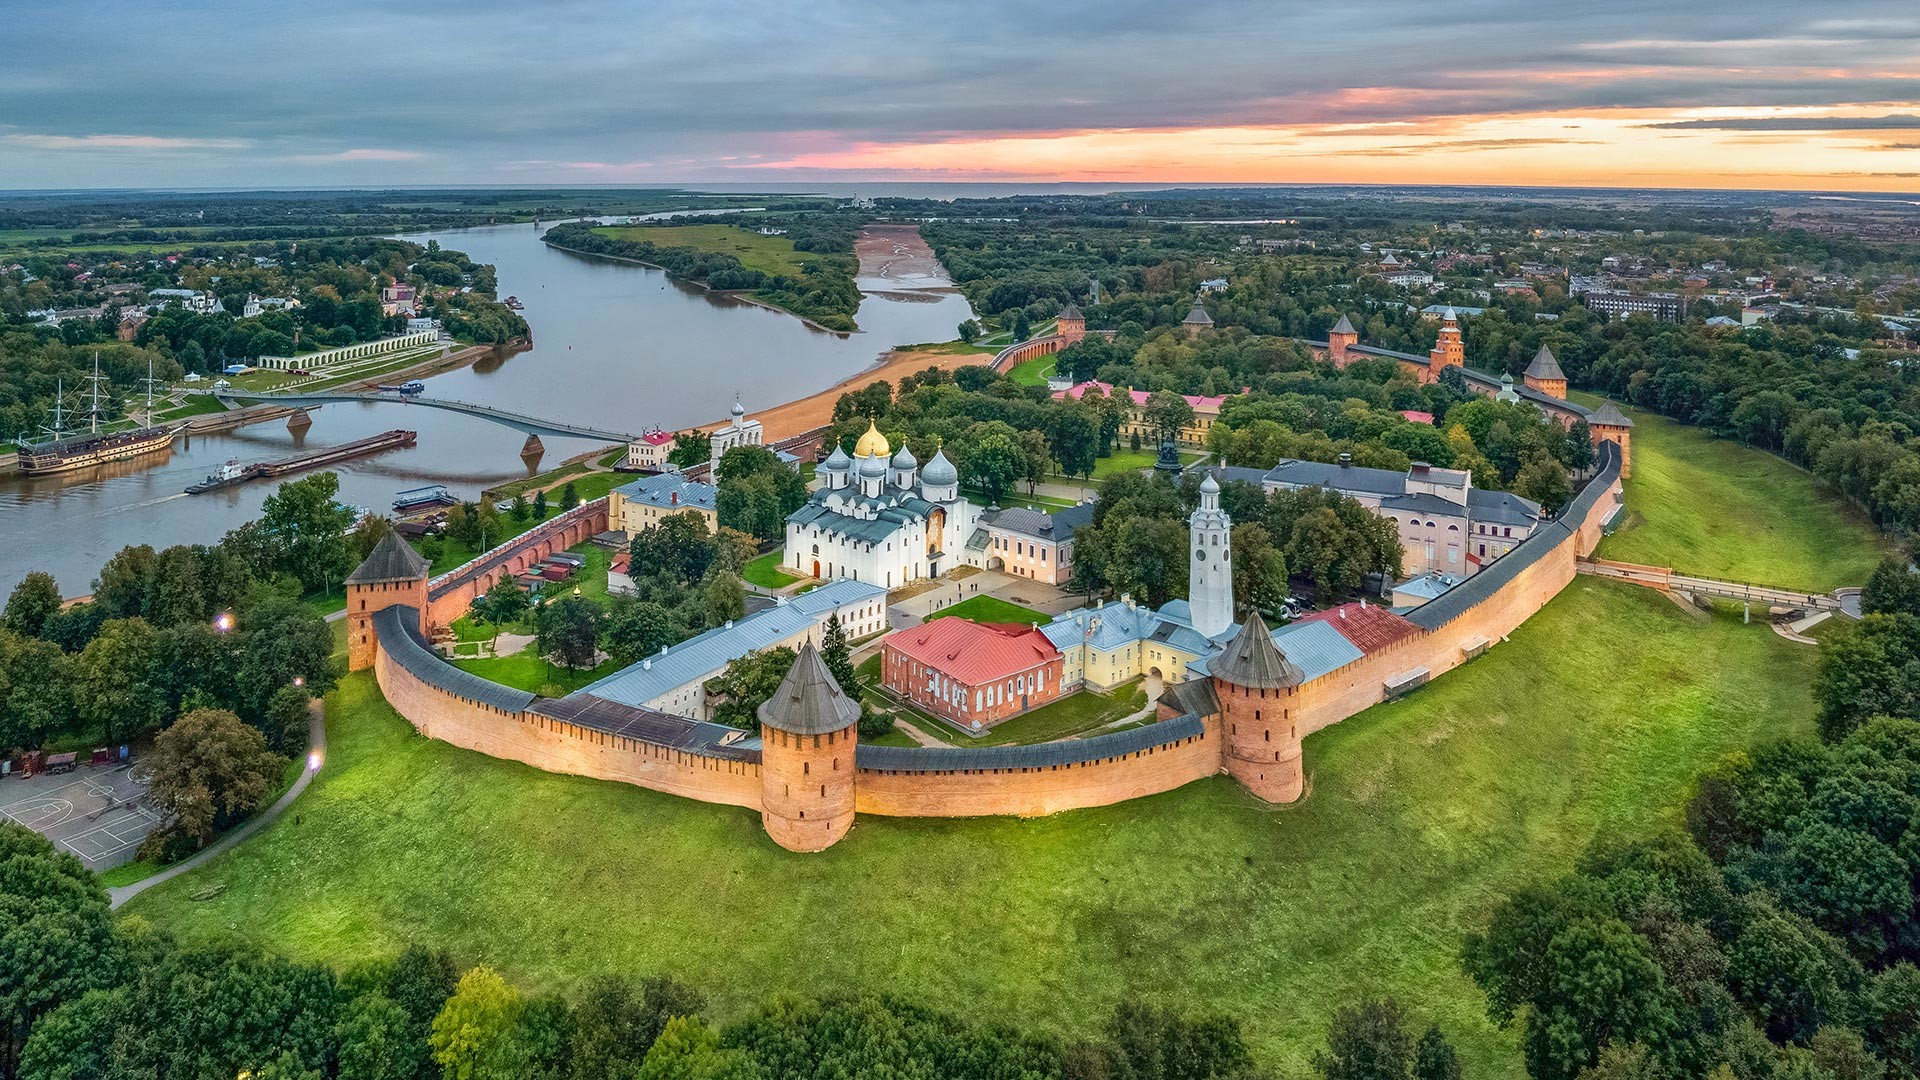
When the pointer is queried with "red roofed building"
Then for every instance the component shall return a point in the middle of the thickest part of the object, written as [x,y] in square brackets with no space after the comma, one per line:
[967,672]
[648,453]
[1416,416]
[1369,626]
[1206,409]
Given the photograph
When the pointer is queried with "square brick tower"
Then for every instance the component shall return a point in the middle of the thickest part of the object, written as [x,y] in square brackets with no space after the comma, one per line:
[1609,424]
[393,573]
[1544,375]
[1450,351]
[1341,338]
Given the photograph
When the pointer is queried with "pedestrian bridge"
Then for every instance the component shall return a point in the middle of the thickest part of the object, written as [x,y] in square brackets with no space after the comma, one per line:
[530,425]
[1665,579]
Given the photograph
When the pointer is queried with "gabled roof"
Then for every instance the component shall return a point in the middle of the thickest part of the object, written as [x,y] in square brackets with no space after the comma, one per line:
[1544,366]
[1252,659]
[1057,526]
[809,701]
[392,559]
[974,653]
[1344,326]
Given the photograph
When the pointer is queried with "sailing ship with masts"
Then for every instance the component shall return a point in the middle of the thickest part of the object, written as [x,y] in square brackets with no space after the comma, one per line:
[64,451]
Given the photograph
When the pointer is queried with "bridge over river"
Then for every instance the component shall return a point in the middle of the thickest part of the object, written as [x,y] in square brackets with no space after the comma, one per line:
[532,426]
[1665,579]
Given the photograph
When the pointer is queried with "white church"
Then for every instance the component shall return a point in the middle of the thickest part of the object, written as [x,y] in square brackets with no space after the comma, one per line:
[880,518]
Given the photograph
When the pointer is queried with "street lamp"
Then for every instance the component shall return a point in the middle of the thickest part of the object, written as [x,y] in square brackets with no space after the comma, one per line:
[223,622]
[313,761]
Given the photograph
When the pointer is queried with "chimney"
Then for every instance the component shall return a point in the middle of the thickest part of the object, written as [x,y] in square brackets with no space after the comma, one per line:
[676,498]
[1420,468]
[1343,613]
[1346,460]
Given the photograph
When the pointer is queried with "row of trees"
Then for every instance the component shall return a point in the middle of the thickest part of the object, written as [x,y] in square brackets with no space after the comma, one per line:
[86,998]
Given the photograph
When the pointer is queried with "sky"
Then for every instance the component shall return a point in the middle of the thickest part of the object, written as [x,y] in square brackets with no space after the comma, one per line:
[1813,94]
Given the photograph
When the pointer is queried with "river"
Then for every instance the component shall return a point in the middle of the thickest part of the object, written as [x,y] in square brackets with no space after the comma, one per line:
[616,346]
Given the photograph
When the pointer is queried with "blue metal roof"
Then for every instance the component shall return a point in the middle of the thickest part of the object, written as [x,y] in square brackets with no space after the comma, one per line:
[661,490]
[1314,647]
[703,656]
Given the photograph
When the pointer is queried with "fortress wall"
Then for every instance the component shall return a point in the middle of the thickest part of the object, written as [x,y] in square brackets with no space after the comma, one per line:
[1035,791]
[556,746]
[450,595]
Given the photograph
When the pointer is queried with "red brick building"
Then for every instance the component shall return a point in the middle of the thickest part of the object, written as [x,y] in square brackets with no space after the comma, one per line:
[965,671]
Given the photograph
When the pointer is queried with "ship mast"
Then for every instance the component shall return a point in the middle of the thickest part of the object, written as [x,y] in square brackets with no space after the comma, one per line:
[93,413]
[148,421]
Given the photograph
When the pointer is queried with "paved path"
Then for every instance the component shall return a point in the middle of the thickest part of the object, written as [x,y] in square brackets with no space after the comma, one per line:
[317,738]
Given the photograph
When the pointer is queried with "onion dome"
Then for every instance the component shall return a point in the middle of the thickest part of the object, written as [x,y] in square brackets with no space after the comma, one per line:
[739,410]
[838,460]
[872,444]
[873,466]
[1209,486]
[939,471]
[905,459]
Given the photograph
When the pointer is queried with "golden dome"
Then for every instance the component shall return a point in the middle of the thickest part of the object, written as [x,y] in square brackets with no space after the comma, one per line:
[872,444]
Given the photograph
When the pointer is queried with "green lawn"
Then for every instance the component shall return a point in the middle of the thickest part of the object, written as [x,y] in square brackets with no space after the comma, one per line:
[526,670]
[1076,714]
[1714,508]
[1033,372]
[1422,814]
[1134,460]
[765,571]
[767,254]
[992,609]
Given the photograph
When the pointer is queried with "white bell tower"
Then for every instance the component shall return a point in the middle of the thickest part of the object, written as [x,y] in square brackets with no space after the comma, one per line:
[1210,571]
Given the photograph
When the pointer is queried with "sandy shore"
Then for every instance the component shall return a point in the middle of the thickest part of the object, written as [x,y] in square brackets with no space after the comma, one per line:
[795,417]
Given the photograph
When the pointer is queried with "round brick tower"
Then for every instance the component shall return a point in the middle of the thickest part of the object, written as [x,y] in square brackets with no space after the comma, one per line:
[1261,700]
[807,736]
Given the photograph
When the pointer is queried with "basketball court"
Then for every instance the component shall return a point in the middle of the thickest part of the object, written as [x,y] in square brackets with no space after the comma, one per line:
[97,814]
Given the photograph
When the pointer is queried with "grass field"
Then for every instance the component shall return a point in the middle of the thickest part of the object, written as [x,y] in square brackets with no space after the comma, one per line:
[767,254]
[1034,372]
[1083,713]
[527,670]
[1714,508]
[1134,460]
[992,609]
[765,571]
[1422,813]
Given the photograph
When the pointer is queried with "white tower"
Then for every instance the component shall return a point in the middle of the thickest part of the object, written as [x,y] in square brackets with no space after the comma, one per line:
[1210,574]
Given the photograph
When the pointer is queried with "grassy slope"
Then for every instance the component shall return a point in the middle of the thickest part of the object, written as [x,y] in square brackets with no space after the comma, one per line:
[1715,508]
[1422,812]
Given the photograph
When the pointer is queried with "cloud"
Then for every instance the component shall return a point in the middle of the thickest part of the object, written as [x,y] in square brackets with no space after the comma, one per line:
[1795,123]
[147,143]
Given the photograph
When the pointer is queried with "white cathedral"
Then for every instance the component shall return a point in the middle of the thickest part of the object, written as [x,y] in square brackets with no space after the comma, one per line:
[879,517]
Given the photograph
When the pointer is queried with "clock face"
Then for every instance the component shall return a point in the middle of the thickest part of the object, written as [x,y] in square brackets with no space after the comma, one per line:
[1200,555]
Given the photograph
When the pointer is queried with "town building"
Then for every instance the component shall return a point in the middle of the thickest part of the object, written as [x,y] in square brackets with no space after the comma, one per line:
[634,506]
[202,303]
[972,675]
[877,517]
[674,681]
[397,299]
[737,431]
[1030,543]
[1447,526]
[649,452]
[1206,410]
[257,304]
[1667,307]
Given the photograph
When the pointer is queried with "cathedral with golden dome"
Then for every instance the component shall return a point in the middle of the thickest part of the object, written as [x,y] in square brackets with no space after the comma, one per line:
[880,517]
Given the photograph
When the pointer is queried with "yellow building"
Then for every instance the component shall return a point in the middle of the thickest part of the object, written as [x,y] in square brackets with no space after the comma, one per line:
[633,507]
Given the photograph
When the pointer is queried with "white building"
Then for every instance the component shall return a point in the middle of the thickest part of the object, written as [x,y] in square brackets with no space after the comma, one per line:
[739,431]
[1210,574]
[880,521]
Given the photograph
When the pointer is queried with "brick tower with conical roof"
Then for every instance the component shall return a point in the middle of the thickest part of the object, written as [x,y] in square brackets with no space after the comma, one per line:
[1341,338]
[393,573]
[1449,351]
[1261,701]
[1544,375]
[1073,324]
[808,730]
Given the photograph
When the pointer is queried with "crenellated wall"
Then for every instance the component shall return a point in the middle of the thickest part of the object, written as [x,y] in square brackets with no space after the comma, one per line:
[452,593]
[446,703]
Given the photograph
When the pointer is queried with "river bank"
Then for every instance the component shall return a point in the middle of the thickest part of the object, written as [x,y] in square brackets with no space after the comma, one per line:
[815,410]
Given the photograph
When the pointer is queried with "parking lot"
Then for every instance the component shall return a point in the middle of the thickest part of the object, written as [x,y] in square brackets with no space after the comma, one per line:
[97,814]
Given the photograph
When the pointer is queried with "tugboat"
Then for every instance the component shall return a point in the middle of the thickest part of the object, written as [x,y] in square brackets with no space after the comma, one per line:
[513,304]
[225,476]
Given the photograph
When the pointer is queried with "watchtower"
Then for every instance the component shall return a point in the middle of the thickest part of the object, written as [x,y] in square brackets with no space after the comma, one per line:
[1450,351]
[1341,338]
[1073,324]
[393,573]
[808,730]
[1609,424]
[1261,706]
[1210,574]
[1544,375]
